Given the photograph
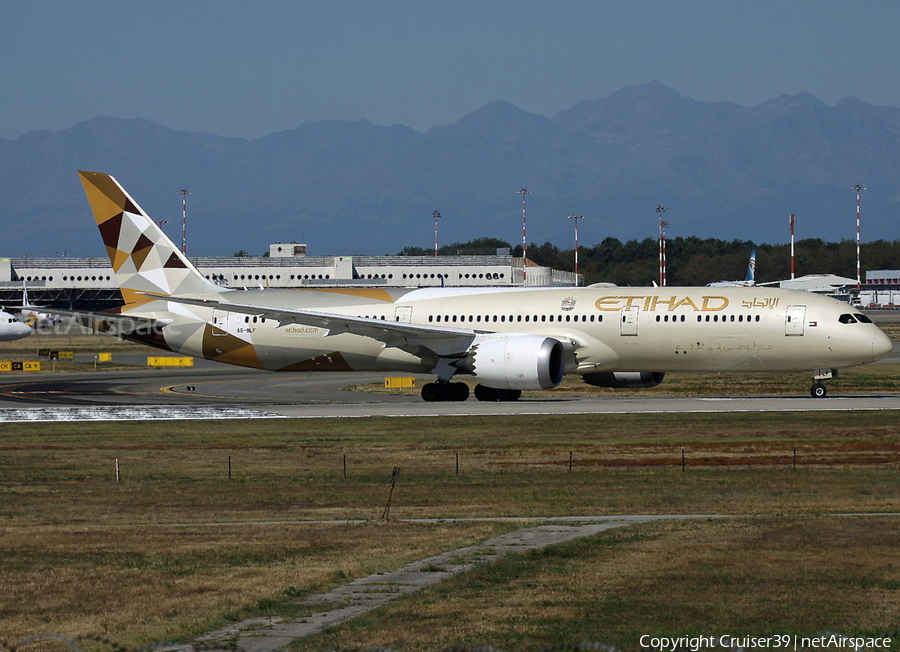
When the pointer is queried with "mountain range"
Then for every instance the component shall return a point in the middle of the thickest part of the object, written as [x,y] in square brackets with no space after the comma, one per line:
[722,170]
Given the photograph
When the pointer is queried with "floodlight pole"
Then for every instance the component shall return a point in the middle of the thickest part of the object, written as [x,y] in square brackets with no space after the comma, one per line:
[184,193]
[436,214]
[576,218]
[524,191]
[857,188]
[661,209]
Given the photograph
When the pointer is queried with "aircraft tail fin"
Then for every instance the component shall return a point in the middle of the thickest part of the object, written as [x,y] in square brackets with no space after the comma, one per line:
[25,303]
[751,268]
[142,256]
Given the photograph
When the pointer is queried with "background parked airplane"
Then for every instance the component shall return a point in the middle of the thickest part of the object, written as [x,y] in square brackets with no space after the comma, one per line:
[508,340]
[11,328]
[36,316]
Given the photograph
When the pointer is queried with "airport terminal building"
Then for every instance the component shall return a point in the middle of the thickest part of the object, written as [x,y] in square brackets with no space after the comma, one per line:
[89,283]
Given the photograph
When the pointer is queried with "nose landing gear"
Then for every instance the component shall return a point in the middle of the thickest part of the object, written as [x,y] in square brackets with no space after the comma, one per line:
[818,389]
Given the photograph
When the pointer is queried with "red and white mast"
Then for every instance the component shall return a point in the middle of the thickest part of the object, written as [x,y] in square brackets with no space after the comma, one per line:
[662,247]
[576,218]
[184,193]
[857,188]
[524,191]
[792,246]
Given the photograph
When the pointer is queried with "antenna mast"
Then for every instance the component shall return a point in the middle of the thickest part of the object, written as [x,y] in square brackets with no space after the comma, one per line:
[576,218]
[792,246]
[662,246]
[524,191]
[857,188]
[184,193]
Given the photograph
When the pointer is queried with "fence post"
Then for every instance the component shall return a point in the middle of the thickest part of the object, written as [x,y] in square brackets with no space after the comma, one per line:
[386,515]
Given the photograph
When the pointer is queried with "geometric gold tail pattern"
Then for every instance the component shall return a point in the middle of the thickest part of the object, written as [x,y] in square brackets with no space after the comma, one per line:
[142,256]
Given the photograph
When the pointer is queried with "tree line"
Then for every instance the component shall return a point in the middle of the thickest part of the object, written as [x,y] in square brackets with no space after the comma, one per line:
[690,260]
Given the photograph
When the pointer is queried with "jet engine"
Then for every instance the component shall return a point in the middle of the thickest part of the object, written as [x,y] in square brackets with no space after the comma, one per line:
[624,379]
[517,362]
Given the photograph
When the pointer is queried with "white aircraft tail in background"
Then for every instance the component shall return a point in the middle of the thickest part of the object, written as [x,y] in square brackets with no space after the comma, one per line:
[749,280]
[36,316]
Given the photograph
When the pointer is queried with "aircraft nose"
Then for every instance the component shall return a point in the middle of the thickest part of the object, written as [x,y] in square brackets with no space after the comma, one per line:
[881,345]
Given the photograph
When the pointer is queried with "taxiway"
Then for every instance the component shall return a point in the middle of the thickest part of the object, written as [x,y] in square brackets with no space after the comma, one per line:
[210,390]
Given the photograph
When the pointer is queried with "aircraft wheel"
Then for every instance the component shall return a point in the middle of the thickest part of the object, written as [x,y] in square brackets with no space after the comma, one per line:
[483,393]
[431,392]
[459,392]
[818,391]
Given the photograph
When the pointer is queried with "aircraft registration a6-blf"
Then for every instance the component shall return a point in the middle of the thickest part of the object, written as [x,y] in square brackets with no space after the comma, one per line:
[509,340]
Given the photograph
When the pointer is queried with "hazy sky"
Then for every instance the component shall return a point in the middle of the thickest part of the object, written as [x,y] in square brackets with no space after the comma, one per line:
[253,68]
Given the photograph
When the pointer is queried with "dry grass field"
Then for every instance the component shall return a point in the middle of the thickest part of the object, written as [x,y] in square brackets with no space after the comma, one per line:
[176,548]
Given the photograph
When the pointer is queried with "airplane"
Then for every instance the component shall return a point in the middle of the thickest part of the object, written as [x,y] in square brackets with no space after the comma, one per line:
[508,340]
[33,314]
[749,280]
[11,328]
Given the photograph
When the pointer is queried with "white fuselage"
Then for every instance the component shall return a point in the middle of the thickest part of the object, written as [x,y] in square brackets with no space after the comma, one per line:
[603,329]
[11,328]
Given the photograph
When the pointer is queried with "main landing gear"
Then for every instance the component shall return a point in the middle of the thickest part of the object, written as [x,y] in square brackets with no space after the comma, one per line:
[483,393]
[445,391]
[442,391]
[818,390]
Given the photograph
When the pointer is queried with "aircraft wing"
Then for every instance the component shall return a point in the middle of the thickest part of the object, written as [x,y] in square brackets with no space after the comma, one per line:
[418,339]
[115,323]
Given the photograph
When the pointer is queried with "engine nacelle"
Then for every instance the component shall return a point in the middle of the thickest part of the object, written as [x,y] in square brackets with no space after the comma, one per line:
[517,362]
[624,379]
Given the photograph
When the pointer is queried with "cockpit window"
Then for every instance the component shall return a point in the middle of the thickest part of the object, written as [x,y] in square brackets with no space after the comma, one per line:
[863,318]
[847,319]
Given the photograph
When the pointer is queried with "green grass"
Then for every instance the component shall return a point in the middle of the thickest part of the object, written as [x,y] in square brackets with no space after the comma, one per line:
[176,548]
[760,577]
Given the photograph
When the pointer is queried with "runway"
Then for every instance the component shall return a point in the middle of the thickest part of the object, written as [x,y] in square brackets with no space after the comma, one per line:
[212,391]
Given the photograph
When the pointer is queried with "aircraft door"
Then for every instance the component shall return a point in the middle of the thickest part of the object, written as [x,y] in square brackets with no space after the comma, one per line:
[628,325]
[794,320]
[219,323]
[403,314]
